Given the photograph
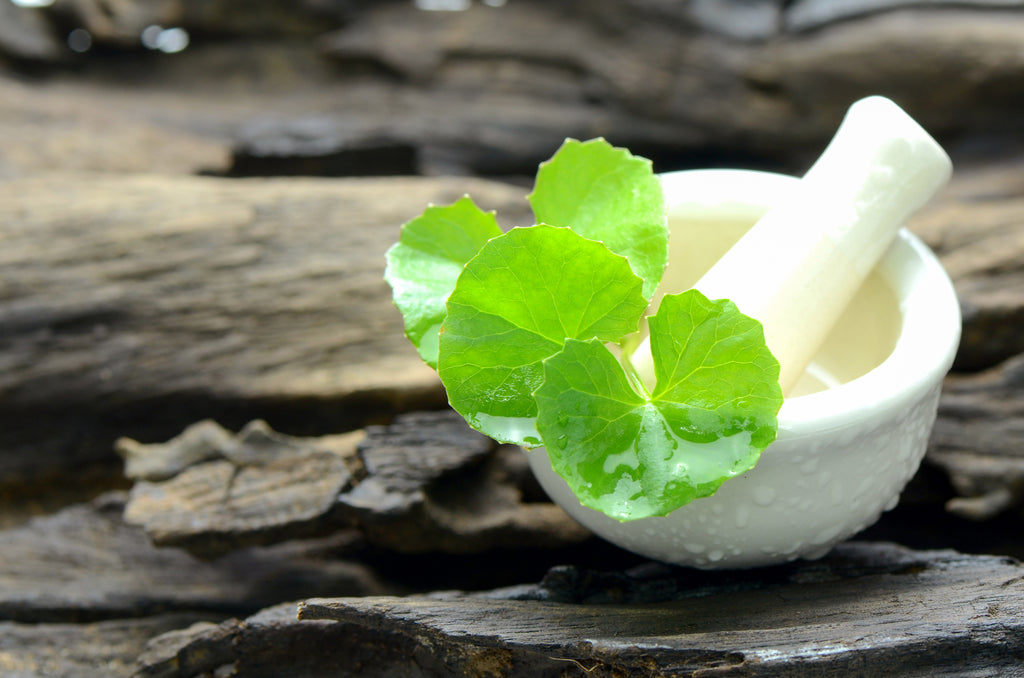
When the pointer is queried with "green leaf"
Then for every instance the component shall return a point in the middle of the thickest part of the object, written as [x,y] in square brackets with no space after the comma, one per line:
[606,194]
[709,355]
[710,416]
[514,305]
[424,264]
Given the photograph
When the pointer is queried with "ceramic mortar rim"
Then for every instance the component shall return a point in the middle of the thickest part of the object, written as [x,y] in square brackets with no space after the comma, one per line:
[930,312]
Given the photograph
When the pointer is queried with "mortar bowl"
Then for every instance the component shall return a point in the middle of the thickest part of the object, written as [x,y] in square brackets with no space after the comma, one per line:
[852,433]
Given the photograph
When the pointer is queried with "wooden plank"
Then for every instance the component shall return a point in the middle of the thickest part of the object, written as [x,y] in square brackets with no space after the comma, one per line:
[979,440]
[689,84]
[106,648]
[136,305]
[868,609]
[85,564]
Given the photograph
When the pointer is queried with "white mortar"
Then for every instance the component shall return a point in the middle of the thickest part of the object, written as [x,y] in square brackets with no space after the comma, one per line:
[843,454]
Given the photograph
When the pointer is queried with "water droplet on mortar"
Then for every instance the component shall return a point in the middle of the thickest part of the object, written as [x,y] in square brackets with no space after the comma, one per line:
[810,466]
[742,516]
[764,495]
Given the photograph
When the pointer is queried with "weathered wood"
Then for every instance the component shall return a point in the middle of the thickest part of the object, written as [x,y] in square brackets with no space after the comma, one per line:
[867,609]
[136,305]
[665,86]
[81,128]
[433,484]
[85,564]
[107,648]
[737,82]
[268,643]
[426,483]
[810,14]
[203,441]
[259,487]
[975,227]
[979,440]
[119,24]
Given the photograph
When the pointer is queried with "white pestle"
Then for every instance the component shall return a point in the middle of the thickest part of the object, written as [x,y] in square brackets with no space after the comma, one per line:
[798,267]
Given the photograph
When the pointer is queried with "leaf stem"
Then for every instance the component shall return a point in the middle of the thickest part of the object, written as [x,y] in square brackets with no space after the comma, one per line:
[633,375]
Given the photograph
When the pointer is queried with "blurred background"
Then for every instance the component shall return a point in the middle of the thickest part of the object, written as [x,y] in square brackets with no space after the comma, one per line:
[486,87]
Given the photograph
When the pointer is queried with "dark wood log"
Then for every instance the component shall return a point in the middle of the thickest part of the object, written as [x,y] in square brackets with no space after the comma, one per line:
[106,648]
[74,128]
[975,227]
[85,564]
[810,14]
[867,609]
[255,647]
[426,483]
[742,82]
[666,81]
[979,440]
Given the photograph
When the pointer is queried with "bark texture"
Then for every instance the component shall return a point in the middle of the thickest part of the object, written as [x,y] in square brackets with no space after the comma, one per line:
[137,305]
[871,609]
[426,483]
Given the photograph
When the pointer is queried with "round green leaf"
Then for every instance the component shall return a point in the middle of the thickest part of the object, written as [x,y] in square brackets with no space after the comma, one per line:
[711,415]
[515,304]
[424,264]
[710,356]
[607,194]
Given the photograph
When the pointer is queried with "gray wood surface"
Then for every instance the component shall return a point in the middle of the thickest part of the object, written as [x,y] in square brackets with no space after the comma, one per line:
[137,305]
[86,564]
[868,609]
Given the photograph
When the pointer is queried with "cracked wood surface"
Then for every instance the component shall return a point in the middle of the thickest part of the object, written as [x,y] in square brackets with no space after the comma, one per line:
[868,609]
[426,483]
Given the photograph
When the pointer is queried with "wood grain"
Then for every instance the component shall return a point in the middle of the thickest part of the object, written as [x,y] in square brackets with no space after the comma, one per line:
[868,609]
[137,305]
